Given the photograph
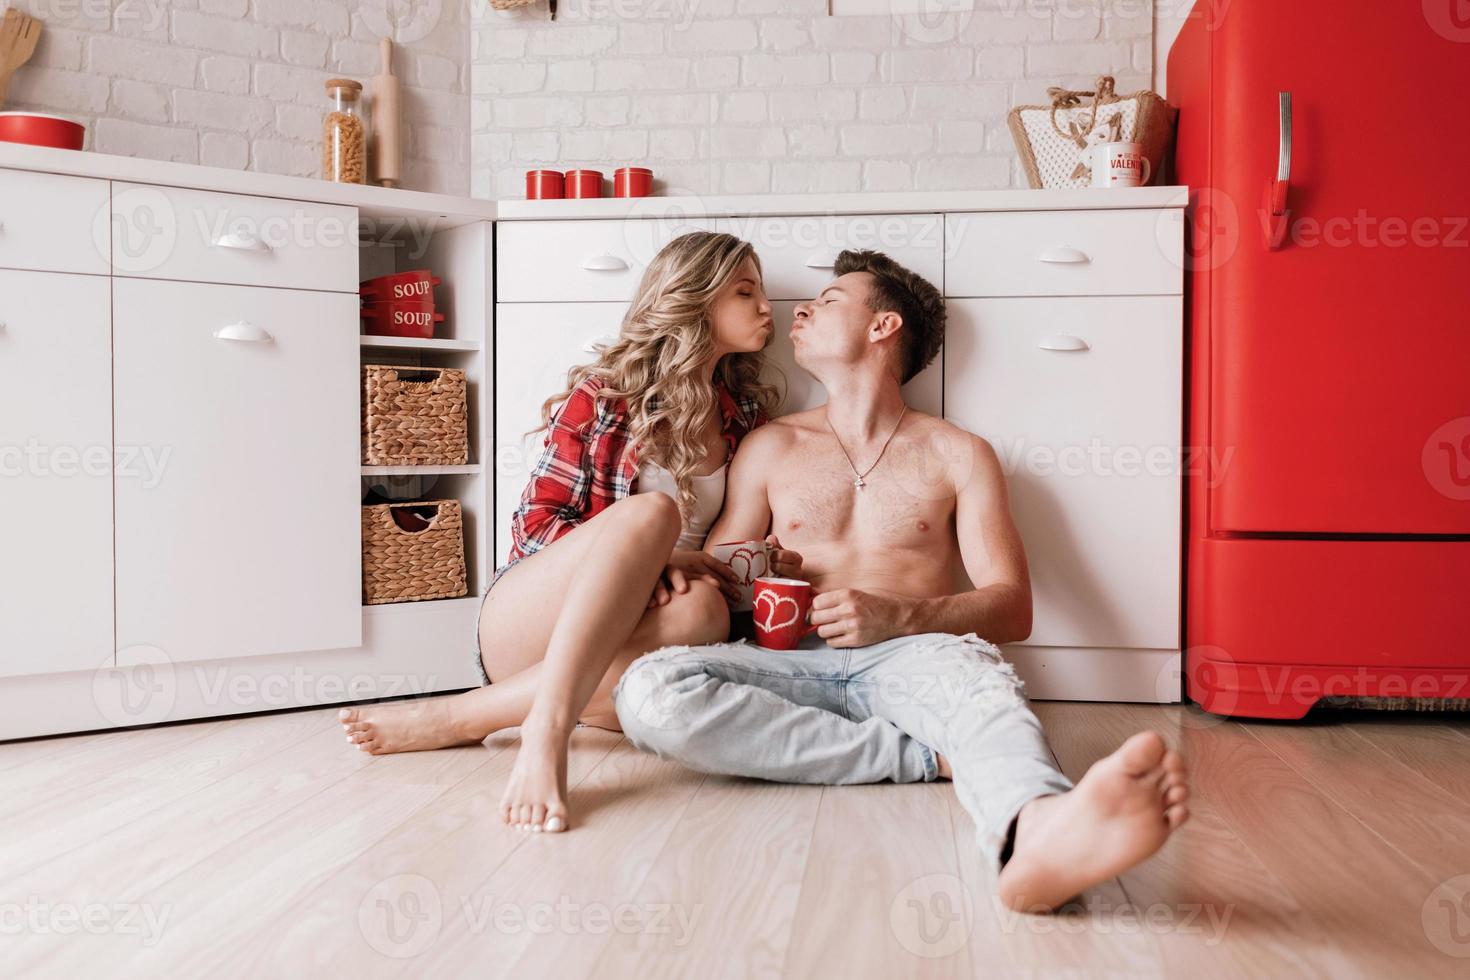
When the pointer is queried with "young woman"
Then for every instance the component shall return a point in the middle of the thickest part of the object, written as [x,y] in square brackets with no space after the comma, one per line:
[605,563]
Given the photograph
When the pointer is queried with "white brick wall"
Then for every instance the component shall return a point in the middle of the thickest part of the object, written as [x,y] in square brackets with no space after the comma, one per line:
[737,96]
[238,83]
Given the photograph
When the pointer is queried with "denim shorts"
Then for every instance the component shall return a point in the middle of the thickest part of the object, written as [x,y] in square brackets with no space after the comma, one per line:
[479,655]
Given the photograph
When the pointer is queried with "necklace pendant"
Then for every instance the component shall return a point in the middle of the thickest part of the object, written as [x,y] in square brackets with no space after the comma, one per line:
[859,483]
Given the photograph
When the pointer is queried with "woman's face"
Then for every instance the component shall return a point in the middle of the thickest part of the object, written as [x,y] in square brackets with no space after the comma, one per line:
[741,315]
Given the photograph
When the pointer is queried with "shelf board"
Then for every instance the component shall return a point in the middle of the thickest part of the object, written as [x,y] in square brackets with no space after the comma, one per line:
[469,468]
[416,343]
[469,603]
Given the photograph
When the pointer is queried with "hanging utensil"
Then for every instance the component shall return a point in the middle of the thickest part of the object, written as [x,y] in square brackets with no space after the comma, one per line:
[18,36]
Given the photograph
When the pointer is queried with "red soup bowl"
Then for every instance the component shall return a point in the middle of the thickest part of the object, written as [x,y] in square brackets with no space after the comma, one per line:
[41,129]
[400,318]
[416,284]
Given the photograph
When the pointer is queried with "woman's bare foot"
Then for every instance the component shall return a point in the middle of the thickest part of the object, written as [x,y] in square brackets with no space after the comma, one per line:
[410,726]
[535,798]
[1122,811]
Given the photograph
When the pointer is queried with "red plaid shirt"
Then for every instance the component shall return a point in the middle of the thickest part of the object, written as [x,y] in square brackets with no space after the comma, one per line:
[587,464]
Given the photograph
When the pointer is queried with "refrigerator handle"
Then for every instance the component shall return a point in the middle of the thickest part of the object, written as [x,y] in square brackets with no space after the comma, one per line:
[1281,186]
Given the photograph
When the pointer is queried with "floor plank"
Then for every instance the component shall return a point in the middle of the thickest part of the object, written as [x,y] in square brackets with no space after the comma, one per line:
[1351,888]
[882,856]
[266,845]
[733,866]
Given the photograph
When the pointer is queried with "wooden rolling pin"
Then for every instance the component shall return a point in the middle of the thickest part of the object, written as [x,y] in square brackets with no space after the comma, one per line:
[387,138]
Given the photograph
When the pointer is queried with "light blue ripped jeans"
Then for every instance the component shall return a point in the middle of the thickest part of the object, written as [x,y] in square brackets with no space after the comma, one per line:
[859,715]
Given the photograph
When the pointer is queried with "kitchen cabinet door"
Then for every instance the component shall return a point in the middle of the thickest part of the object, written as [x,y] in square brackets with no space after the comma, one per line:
[249,542]
[56,467]
[1081,399]
[536,344]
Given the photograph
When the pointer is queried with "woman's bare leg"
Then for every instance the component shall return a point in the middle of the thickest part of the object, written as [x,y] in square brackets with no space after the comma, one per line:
[697,616]
[604,600]
[515,632]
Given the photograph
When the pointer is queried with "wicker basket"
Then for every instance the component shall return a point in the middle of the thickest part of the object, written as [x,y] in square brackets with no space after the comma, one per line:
[1052,140]
[413,416]
[406,566]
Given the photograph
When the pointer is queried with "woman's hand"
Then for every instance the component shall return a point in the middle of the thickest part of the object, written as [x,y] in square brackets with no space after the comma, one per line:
[785,564]
[684,567]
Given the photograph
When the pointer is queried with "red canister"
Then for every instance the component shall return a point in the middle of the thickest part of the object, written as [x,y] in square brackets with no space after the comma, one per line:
[543,185]
[632,182]
[584,183]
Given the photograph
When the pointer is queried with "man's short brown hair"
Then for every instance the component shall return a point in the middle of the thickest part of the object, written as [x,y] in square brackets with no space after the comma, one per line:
[911,296]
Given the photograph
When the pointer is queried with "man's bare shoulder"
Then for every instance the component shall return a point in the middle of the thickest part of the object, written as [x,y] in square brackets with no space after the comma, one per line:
[963,455]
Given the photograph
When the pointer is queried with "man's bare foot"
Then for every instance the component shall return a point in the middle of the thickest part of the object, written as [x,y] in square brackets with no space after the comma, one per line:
[410,726]
[1121,812]
[535,798]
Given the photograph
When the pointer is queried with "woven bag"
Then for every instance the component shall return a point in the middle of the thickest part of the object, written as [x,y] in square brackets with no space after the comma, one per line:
[414,416]
[1053,140]
[406,566]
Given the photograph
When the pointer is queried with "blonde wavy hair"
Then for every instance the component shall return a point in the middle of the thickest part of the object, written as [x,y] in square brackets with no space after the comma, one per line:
[657,363]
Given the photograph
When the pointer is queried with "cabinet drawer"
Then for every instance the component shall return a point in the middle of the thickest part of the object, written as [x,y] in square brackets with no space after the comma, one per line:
[56,473]
[579,261]
[1065,253]
[1090,442]
[203,236]
[53,224]
[797,254]
[248,540]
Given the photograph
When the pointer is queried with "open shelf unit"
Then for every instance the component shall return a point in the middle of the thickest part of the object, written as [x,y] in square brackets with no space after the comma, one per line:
[461,255]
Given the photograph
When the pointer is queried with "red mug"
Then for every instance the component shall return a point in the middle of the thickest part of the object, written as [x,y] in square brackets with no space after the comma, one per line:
[780,609]
[543,185]
[632,182]
[584,183]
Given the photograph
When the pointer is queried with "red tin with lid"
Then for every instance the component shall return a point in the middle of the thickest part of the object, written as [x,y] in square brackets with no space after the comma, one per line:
[544,185]
[632,182]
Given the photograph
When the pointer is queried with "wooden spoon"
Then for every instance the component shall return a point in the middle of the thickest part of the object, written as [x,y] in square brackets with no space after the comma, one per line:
[18,36]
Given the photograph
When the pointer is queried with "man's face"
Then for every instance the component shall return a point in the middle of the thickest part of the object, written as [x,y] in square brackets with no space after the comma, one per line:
[832,330]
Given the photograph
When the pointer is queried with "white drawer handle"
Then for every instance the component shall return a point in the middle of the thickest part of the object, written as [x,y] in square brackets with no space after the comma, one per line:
[821,260]
[1062,341]
[1063,255]
[244,331]
[243,241]
[596,346]
[604,263]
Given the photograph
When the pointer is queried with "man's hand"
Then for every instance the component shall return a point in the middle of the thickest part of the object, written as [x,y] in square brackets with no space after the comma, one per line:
[852,618]
[685,566]
[786,564]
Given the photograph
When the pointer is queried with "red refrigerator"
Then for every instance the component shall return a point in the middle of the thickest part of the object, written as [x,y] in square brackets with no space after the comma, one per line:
[1328,296]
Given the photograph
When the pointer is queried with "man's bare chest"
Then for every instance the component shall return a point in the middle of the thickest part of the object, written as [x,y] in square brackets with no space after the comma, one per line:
[813,498]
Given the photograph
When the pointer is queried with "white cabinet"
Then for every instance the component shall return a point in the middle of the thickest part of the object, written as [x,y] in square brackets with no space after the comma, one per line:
[205,236]
[52,223]
[248,543]
[797,253]
[1065,253]
[536,344]
[55,472]
[579,261]
[1081,398]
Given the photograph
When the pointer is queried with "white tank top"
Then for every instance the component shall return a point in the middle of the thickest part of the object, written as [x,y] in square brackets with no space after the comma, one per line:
[709,498]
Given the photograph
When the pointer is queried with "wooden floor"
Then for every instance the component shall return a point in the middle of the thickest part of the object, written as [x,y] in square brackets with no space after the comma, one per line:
[265,846]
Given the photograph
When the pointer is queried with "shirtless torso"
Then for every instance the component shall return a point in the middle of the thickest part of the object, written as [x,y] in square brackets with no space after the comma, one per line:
[934,505]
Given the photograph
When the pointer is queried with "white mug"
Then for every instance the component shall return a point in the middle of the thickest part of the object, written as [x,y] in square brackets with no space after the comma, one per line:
[749,560]
[1119,165]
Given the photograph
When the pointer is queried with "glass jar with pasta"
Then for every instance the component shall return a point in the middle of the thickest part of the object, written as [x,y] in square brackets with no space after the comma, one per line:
[344,136]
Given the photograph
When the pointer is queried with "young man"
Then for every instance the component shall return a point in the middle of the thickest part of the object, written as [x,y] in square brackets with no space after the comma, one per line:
[883,504]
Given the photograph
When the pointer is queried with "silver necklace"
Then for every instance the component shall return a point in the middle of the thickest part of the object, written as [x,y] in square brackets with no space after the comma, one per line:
[860,482]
